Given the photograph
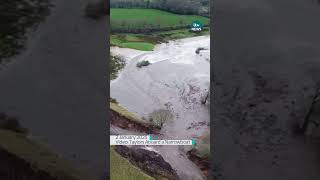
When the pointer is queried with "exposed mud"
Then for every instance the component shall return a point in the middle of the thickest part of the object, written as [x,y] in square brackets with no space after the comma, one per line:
[149,161]
[124,123]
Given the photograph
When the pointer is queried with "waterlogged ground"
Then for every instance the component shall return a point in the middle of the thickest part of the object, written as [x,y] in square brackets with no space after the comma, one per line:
[177,79]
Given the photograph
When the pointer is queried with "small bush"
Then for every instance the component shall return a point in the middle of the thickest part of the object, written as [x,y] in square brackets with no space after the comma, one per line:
[159,117]
[143,63]
[97,9]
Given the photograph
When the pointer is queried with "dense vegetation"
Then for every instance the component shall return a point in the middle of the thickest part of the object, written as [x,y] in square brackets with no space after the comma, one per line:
[150,20]
[199,7]
[116,64]
[15,17]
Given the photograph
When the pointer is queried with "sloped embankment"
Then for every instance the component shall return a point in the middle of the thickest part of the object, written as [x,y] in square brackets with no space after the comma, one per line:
[125,119]
[23,159]
[121,168]
[147,161]
[13,167]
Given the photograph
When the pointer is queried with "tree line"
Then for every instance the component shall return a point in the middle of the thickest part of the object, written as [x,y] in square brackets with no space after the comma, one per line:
[196,7]
[141,26]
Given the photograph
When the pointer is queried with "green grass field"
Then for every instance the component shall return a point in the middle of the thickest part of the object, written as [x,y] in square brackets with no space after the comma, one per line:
[136,19]
[144,46]
[122,169]
[147,42]
[166,26]
[131,41]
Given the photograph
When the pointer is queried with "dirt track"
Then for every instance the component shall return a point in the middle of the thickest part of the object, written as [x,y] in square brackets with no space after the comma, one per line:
[267,62]
[57,85]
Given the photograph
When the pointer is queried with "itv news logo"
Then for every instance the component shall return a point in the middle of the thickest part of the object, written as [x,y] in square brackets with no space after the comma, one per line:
[196,26]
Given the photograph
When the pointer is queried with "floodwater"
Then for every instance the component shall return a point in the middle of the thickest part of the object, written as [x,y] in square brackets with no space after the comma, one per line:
[177,79]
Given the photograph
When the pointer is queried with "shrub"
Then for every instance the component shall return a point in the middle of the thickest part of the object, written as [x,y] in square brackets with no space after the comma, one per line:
[116,64]
[143,63]
[159,117]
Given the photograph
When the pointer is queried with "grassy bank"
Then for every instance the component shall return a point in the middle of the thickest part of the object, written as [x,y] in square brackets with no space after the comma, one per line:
[127,114]
[133,41]
[38,156]
[16,16]
[147,42]
[122,169]
[150,20]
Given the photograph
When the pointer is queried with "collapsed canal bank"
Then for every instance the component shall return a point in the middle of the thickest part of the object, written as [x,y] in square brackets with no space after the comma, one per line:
[122,118]
[175,82]
[143,157]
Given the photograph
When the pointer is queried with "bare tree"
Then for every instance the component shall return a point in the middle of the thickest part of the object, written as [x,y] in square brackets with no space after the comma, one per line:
[159,117]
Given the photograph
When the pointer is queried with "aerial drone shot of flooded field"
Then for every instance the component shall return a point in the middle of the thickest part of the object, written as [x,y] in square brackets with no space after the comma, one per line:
[160,85]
